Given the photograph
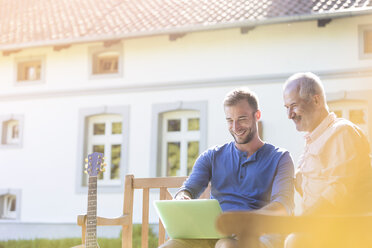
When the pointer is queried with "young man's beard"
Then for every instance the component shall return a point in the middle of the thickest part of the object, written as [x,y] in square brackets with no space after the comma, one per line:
[247,138]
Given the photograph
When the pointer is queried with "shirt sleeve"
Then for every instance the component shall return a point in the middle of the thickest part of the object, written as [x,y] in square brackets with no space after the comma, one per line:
[200,175]
[283,184]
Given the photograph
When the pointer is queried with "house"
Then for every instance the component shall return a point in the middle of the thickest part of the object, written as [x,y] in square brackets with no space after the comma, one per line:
[143,82]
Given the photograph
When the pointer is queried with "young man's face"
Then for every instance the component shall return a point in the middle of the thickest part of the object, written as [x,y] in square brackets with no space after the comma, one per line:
[241,120]
[302,112]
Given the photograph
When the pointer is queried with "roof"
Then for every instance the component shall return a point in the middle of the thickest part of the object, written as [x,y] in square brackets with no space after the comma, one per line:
[30,23]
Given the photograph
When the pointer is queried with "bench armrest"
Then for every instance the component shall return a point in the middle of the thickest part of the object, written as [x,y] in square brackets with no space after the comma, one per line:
[101,221]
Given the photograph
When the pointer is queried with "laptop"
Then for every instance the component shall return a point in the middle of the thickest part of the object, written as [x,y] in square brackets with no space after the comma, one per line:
[189,219]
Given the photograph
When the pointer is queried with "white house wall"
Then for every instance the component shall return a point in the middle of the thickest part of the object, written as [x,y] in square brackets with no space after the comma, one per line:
[266,50]
[198,67]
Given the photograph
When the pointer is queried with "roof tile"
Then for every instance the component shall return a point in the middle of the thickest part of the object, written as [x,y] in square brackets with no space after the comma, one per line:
[24,22]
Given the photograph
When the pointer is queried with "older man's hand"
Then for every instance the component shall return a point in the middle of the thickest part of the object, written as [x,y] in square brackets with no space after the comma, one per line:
[298,183]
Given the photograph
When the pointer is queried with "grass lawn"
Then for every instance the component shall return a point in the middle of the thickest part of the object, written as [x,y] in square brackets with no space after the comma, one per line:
[70,242]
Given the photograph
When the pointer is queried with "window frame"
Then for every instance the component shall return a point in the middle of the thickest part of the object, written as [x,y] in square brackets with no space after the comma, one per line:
[95,51]
[361,30]
[4,133]
[157,129]
[19,60]
[84,115]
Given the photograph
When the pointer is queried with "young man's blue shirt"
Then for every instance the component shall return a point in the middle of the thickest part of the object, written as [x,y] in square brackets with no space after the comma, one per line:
[241,183]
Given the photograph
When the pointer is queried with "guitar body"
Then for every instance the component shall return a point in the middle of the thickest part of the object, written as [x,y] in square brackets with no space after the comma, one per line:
[93,167]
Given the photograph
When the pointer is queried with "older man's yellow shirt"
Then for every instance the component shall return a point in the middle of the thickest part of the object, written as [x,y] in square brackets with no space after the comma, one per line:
[335,165]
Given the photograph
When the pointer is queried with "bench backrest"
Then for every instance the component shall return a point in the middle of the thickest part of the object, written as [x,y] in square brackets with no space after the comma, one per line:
[145,184]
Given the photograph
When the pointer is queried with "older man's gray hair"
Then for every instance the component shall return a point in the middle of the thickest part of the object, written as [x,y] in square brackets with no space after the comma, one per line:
[308,84]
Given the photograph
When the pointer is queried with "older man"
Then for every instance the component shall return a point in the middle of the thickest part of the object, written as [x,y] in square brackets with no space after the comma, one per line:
[334,173]
[246,174]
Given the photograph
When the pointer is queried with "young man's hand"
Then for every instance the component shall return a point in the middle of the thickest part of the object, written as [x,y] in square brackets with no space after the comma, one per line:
[183,195]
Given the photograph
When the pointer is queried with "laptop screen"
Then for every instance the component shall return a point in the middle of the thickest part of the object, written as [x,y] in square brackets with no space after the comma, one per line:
[189,219]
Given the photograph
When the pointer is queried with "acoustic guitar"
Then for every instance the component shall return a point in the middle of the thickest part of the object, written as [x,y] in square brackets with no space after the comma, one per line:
[94,165]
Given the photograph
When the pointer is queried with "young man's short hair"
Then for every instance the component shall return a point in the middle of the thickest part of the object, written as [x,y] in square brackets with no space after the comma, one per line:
[235,96]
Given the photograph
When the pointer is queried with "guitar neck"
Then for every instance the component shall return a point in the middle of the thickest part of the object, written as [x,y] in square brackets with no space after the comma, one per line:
[91,236]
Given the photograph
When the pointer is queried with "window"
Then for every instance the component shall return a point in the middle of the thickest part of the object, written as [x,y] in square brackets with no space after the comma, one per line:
[11,134]
[104,136]
[104,129]
[8,206]
[29,69]
[355,111]
[260,130]
[9,203]
[106,61]
[180,144]
[179,135]
[365,41]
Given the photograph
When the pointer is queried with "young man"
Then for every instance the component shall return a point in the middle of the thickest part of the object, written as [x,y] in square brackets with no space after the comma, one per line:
[334,173]
[246,174]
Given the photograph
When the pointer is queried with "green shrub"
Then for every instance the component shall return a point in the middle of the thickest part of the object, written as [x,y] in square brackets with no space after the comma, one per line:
[41,243]
[153,239]
[70,242]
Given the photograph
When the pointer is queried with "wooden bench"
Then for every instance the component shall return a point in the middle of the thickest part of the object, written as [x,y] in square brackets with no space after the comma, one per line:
[126,219]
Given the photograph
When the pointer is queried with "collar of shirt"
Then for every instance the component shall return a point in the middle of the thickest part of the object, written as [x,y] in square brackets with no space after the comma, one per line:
[243,155]
[319,130]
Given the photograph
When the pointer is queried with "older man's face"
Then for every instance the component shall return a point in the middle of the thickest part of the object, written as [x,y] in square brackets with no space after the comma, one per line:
[302,112]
